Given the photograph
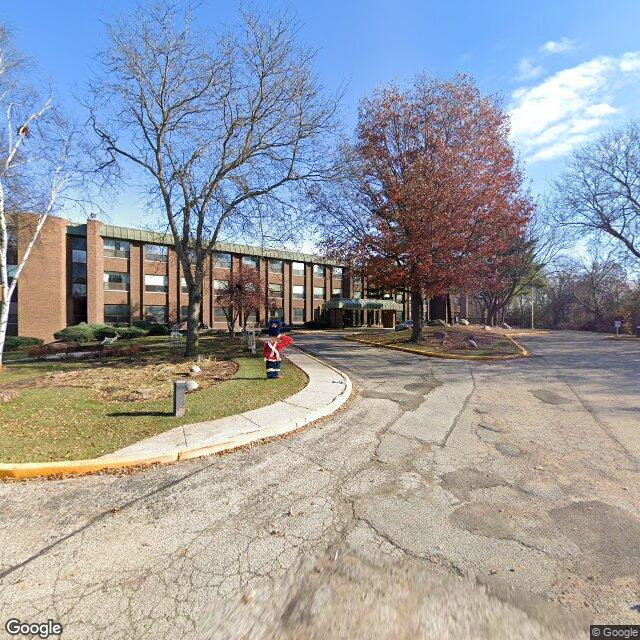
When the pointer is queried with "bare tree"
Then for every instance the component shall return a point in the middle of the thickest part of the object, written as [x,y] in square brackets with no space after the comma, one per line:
[524,266]
[217,133]
[599,193]
[38,167]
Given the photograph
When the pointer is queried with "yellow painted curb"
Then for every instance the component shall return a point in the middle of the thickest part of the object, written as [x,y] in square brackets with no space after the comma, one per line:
[22,470]
[445,356]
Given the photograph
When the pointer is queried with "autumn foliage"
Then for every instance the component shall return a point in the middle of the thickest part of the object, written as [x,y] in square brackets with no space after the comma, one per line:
[435,173]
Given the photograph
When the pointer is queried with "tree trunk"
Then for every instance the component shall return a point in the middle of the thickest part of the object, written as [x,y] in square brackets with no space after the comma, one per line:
[416,314]
[439,308]
[231,322]
[193,321]
[4,323]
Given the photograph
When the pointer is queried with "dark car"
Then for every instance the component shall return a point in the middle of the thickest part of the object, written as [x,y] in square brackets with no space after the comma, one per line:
[407,324]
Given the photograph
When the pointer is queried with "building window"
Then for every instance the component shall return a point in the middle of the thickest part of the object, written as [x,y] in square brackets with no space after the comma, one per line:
[298,315]
[222,260]
[277,312]
[156,284]
[357,295]
[298,292]
[219,314]
[79,279]
[250,261]
[12,327]
[318,293]
[336,291]
[276,289]
[220,284]
[275,266]
[318,271]
[116,281]
[400,297]
[298,268]
[116,313]
[78,249]
[337,272]
[116,248]
[183,286]
[156,313]
[184,313]
[252,318]
[156,252]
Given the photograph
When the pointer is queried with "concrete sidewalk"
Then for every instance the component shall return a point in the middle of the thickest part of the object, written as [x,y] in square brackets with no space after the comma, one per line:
[327,390]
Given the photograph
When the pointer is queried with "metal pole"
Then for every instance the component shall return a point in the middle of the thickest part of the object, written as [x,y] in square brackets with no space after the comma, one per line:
[532,301]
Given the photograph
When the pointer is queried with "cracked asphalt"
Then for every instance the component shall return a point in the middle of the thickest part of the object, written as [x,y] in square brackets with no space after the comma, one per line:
[448,499]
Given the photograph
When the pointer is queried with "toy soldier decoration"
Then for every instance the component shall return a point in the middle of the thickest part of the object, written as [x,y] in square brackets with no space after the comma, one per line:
[273,347]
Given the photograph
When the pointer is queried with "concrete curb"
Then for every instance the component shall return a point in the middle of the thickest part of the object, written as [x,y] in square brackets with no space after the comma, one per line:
[301,416]
[524,353]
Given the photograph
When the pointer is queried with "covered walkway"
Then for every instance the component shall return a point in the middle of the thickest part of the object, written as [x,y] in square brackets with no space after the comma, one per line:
[356,312]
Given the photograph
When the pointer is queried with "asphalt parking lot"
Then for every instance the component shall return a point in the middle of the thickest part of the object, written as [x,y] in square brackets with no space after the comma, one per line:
[448,499]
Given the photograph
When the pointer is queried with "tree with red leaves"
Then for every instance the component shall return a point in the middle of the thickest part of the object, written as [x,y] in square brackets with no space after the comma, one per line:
[241,295]
[432,193]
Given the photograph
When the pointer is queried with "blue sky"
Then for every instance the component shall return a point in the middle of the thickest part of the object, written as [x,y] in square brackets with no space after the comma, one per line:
[566,70]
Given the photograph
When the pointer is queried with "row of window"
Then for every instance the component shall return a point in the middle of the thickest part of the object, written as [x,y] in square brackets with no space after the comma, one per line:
[119,281]
[158,253]
[120,314]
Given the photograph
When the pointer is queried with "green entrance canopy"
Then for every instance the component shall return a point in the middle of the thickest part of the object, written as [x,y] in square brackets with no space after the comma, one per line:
[363,304]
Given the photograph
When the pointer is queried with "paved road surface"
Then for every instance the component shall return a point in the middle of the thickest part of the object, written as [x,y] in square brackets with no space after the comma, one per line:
[448,500]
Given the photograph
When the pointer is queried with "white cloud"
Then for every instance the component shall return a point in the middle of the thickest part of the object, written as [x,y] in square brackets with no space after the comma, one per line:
[566,109]
[558,46]
[527,70]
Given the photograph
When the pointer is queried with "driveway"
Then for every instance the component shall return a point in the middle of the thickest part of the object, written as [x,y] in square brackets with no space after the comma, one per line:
[449,499]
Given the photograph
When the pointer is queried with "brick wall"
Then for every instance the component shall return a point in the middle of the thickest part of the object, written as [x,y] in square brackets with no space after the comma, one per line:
[95,272]
[42,300]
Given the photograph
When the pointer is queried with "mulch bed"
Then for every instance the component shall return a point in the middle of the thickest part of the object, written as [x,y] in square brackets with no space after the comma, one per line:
[489,342]
[133,380]
[457,341]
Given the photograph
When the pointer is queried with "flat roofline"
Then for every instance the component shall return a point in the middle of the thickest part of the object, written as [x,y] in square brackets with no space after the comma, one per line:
[153,237]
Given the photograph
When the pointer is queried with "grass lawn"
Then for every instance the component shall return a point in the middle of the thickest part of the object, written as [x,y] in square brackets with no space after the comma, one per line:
[48,421]
[490,343]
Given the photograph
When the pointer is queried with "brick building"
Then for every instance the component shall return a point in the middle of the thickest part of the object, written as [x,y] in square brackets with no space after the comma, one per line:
[98,273]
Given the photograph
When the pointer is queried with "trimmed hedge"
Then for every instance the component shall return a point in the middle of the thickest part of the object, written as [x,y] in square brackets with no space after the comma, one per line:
[84,332]
[17,343]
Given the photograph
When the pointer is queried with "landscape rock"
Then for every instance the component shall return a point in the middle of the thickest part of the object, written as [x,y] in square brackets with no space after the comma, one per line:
[191,385]
[8,395]
[441,335]
[487,328]
[472,344]
[504,325]
[464,322]
[437,323]
[195,368]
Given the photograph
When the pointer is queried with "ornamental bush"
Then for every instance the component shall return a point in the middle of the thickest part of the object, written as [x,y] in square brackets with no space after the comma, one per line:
[153,328]
[127,333]
[82,332]
[18,343]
